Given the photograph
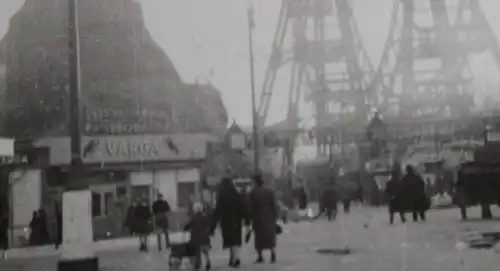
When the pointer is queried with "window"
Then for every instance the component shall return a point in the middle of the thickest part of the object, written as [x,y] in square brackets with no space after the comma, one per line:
[102,201]
[184,191]
[121,191]
[96,204]
[108,202]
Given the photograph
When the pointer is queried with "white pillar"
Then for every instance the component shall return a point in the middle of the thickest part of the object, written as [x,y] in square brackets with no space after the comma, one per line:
[78,242]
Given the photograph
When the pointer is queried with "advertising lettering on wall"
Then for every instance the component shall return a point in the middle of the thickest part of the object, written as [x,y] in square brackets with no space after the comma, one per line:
[132,149]
[116,121]
[142,148]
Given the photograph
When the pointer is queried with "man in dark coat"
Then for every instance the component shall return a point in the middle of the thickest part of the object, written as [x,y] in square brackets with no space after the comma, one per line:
[328,203]
[414,190]
[395,197]
[160,213]
[143,222]
[230,213]
[461,199]
[264,215]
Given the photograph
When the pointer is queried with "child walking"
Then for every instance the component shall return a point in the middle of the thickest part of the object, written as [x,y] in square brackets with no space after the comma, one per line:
[199,228]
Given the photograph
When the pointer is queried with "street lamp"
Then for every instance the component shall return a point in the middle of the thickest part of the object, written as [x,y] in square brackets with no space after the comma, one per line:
[77,250]
[255,128]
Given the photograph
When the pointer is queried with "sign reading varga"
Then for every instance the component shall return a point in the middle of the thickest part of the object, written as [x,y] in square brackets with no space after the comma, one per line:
[115,149]
[129,148]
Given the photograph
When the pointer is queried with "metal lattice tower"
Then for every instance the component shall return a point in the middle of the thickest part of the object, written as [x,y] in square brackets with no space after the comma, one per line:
[425,71]
[329,67]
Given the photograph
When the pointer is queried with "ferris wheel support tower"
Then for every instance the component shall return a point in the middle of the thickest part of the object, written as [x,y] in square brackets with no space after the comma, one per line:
[319,41]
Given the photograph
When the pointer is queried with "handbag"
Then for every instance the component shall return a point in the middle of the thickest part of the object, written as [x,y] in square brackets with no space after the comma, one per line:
[279,229]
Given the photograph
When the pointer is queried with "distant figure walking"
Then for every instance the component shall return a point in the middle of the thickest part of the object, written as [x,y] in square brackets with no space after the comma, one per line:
[143,222]
[59,224]
[160,213]
[395,197]
[328,202]
[302,198]
[414,191]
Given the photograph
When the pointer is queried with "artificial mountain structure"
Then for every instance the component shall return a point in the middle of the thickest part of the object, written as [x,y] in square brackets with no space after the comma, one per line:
[129,85]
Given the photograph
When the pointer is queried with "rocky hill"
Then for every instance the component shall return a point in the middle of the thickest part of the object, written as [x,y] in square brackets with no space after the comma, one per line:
[127,80]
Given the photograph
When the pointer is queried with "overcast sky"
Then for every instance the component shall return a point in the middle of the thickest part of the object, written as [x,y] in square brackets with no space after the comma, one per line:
[204,35]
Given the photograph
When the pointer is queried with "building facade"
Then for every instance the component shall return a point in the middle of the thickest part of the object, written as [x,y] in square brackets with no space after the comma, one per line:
[119,169]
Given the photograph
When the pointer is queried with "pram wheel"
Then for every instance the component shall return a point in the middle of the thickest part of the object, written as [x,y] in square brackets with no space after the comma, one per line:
[174,263]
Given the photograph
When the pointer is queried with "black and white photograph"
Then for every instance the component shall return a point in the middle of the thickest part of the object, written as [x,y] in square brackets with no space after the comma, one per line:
[267,135]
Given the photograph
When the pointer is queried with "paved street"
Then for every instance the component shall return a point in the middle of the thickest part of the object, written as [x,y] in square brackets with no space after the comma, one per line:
[376,246]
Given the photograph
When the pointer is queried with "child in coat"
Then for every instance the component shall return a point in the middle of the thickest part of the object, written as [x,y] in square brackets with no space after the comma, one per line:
[199,228]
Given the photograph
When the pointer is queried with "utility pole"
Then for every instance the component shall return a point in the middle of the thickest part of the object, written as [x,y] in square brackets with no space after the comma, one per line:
[255,126]
[74,96]
[77,246]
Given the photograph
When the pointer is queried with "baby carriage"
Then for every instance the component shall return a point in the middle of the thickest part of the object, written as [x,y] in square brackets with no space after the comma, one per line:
[180,249]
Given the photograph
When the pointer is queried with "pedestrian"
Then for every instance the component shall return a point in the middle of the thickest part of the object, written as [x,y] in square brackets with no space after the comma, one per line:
[230,213]
[346,203]
[396,200]
[414,188]
[461,198]
[58,230]
[4,238]
[161,208]
[129,220]
[44,227]
[34,229]
[264,216]
[144,225]
[199,228]
[328,201]
[302,198]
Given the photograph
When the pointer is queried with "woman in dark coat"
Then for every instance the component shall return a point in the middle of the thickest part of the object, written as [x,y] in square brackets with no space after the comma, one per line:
[34,238]
[230,212]
[414,188]
[302,198]
[264,215]
[395,196]
[143,219]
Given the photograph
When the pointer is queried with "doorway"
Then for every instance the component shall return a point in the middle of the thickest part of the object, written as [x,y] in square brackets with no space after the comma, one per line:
[105,217]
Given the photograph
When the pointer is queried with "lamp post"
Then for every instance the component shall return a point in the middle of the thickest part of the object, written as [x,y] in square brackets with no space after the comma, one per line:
[255,127]
[77,248]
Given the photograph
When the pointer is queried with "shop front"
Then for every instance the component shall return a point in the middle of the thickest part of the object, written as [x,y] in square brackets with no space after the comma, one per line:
[123,169]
